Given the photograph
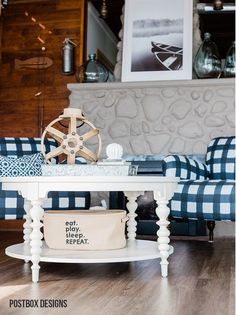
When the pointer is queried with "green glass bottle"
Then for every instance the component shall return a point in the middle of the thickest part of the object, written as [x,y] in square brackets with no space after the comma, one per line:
[230,62]
[92,71]
[207,63]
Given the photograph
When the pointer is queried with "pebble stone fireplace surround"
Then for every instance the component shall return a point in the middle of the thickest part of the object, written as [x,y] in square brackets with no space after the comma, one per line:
[161,117]
[158,117]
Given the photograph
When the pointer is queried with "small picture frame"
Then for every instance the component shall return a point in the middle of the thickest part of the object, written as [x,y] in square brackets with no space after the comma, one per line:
[157,43]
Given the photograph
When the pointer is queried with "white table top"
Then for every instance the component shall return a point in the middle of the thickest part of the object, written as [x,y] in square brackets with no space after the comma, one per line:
[85,179]
[90,183]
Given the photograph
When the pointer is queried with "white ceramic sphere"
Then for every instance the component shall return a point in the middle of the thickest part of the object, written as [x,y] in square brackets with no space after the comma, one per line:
[114,151]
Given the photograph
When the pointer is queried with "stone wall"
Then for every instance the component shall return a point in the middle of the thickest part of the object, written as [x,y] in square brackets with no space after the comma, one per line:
[158,117]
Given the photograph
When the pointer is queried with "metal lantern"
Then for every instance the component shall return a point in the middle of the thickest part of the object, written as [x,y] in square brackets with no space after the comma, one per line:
[68,57]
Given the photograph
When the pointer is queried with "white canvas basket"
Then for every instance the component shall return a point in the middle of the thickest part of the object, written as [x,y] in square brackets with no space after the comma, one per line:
[85,229]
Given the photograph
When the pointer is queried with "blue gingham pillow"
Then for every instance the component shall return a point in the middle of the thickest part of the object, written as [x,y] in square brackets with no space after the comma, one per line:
[27,165]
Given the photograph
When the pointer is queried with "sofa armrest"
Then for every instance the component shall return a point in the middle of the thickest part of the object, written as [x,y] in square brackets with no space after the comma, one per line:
[183,167]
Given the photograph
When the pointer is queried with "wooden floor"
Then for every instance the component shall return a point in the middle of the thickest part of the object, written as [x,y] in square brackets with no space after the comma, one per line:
[200,282]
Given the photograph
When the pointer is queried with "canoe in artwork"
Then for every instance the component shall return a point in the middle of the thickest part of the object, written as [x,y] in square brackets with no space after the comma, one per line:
[168,57]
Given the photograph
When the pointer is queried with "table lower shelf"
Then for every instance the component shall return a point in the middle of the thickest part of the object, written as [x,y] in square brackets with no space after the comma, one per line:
[134,251]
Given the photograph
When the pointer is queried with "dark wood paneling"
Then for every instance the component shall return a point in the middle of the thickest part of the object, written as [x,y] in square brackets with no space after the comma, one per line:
[19,107]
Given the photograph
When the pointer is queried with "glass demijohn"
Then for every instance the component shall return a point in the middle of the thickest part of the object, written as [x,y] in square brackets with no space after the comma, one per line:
[207,63]
[92,71]
[230,63]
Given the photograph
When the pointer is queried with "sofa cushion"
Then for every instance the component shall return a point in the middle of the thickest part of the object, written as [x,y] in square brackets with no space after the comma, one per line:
[184,167]
[12,204]
[67,200]
[27,165]
[220,158]
[17,147]
[204,199]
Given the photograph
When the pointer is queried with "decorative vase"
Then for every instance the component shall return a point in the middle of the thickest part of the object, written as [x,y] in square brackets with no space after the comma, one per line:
[207,63]
[230,63]
[92,71]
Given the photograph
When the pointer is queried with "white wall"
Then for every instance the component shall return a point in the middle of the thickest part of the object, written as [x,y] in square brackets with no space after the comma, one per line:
[100,36]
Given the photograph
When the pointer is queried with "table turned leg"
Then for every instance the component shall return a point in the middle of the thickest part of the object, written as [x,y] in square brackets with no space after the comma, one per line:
[27,229]
[132,207]
[163,233]
[36,213]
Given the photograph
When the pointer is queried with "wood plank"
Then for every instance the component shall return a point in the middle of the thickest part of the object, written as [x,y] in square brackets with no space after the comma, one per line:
[128,288]
[1,32]
[28,93]
[18,102]
[11,225]
[49,15]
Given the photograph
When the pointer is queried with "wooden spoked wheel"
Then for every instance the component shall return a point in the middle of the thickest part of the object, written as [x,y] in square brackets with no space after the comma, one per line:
[71,143]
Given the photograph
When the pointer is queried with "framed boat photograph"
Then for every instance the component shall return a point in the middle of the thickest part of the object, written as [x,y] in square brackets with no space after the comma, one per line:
[157,41]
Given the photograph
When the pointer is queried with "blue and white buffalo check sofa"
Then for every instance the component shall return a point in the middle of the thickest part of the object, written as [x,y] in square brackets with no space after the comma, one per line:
[12,204]
[205,191]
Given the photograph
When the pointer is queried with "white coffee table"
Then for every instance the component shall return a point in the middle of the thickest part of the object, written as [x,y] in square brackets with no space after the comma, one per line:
[35,189]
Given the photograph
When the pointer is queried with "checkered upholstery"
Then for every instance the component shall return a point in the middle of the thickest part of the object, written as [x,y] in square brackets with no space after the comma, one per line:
[12,204]
[220,158]
[17,147]
[184,167]
[201,193]
[204,199]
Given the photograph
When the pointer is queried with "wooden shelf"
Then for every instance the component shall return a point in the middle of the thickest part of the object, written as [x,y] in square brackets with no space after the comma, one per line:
[207,8]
